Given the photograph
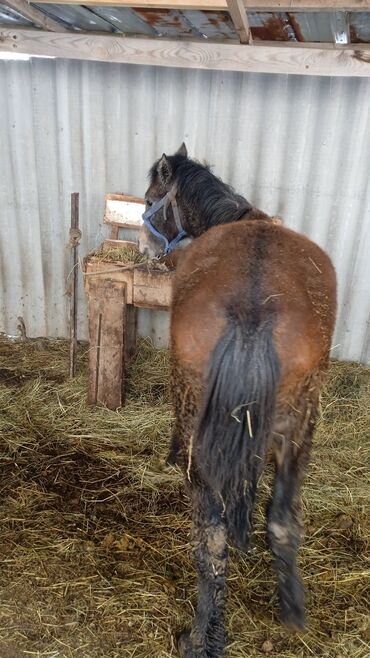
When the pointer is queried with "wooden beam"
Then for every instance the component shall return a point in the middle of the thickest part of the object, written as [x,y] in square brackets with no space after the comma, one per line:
[307,5]
[35,15]
[221,5]
[239,18]
[262,57]
[202,5]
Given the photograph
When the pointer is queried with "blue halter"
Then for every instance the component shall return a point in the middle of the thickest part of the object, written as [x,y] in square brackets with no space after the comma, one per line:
[168,199]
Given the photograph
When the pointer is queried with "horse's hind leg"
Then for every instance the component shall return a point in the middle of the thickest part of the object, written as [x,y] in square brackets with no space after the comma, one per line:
[185,394]
[284,527]
[206,639]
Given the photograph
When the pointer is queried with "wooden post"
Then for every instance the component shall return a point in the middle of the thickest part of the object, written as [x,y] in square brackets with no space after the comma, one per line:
[108,342]
[74,239]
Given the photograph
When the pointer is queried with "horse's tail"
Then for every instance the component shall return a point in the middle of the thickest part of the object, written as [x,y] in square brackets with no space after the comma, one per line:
[236,419]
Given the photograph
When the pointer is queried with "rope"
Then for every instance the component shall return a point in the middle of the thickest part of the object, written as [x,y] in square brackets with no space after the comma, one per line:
[74,237]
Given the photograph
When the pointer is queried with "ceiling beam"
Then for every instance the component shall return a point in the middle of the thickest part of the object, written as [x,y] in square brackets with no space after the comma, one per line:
[239,18]
[204,5]
[264,57]
[35,15]
[307,5]
[221,5]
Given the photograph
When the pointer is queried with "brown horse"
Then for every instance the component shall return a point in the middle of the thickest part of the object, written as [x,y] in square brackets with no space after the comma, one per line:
[252,320]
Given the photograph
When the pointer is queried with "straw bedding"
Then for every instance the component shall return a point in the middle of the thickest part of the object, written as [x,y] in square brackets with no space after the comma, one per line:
[94,529]
[124,255]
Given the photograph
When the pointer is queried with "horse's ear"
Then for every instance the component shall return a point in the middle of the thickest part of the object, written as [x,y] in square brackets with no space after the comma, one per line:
[182,150]
[164,169]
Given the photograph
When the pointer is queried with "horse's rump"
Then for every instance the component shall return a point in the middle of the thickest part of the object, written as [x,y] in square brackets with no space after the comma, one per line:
[263,271]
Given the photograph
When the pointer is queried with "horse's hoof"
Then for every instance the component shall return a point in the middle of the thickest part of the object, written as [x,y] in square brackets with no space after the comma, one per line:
[291,599]
[186,648]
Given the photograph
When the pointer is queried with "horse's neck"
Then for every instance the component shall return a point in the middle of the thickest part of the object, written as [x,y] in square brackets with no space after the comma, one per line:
[255,213]
[196,223]
[199,222]
[206,202]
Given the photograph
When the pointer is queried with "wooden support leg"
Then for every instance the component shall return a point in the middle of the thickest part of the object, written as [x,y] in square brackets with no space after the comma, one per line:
[109,346]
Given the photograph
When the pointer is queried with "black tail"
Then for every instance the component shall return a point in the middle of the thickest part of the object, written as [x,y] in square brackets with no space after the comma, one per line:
[236,418]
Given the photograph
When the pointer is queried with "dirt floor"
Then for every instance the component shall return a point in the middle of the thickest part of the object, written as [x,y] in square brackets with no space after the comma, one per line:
[94,530]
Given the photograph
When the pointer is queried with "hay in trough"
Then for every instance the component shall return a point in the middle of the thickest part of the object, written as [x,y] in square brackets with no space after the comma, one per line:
[120,255]
[94,529]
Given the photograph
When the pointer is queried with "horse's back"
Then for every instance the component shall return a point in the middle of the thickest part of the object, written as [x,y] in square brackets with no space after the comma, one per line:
[265,271]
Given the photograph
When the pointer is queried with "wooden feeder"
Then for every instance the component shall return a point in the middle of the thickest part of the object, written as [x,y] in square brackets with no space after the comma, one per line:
[115,291]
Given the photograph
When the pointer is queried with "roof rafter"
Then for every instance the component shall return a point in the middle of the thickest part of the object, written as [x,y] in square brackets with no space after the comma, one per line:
[238,15]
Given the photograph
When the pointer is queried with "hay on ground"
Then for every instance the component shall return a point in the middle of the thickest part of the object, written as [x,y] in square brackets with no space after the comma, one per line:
[94,529]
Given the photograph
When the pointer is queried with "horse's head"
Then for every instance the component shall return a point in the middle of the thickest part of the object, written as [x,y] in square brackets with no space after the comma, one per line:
[163,227]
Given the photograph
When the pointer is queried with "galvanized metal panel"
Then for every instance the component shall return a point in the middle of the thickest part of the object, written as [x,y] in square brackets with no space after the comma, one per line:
[271,26]
[359,26]
[212,24]
[315,26]
[169,22]
[295,146]
[9,16]
[126,20]
[76,16]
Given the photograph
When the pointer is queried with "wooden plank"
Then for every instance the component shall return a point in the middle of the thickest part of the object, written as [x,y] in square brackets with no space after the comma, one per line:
[307,5]
[152,288]
[124,197]
[96,270]
[221,5]
[118,244]
[107,316]
[302,59]
[114,232]
[35,15]
[204,5]
[123,210]
[239,18]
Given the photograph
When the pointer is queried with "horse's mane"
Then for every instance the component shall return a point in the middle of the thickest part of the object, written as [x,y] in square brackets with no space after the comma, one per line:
[205,194]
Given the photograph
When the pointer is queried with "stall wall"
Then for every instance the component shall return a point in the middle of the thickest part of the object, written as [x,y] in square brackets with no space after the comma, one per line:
[295,146]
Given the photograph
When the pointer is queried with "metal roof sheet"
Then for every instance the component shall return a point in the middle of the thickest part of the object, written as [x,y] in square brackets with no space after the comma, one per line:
[125,20]
[10,17]
[359,25]
[77,17]
[336,26]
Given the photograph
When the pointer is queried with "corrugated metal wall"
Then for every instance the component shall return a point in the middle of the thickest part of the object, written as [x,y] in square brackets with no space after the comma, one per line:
[295,146]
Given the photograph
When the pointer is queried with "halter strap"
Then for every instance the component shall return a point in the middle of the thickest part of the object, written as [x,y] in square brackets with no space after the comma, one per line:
[168,199]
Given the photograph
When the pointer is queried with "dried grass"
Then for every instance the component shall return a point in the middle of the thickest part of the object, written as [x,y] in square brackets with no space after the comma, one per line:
[120,255]
[95,559]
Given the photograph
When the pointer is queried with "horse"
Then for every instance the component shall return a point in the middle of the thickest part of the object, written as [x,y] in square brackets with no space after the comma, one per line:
[252,318]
